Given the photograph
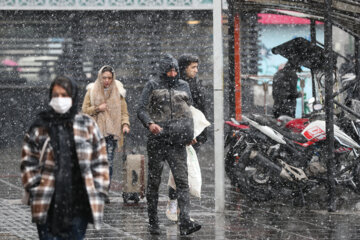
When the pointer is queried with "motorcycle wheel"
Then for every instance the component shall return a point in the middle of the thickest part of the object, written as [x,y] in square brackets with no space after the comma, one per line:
[256,182]
[253,181]
[356,177]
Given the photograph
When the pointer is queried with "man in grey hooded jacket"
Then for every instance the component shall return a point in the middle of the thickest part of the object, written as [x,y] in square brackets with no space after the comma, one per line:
[164,109]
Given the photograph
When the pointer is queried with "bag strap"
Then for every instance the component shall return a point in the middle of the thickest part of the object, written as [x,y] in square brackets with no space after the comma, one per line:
[43,149]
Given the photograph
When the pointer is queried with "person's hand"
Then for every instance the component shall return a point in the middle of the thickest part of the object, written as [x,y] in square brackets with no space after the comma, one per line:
[193,141]
[102,107]
[154,128]
[125,128]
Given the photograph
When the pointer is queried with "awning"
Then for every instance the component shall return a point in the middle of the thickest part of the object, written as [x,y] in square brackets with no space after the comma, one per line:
[276,18]
[345,14]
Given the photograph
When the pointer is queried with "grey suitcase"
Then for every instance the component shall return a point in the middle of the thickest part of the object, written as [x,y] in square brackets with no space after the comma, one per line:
[134,176]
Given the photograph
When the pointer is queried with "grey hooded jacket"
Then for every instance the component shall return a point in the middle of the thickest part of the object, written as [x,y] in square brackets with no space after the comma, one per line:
[166,102]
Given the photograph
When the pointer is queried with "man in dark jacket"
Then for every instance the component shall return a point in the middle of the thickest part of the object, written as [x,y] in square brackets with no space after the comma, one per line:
[164,109]
[189,66]
[285,91]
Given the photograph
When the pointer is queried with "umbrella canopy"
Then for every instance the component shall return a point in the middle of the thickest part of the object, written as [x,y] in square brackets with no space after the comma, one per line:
[9,62]
[300,51]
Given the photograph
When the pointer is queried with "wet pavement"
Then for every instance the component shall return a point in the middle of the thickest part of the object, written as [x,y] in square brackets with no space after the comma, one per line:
[242,219]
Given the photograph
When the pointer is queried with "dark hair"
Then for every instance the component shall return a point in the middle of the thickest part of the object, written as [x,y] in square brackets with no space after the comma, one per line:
[293,65]
[108,69]
[185,60]
[63,82]
[71,89]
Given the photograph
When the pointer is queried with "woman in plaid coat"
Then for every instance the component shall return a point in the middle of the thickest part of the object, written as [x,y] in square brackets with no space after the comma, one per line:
[68,185]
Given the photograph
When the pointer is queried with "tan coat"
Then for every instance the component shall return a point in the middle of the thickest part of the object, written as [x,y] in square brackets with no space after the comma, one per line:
[112,120]
[90,109]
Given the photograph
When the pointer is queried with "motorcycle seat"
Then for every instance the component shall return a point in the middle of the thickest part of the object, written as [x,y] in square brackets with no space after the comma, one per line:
[268,121]
[263,119]
[294,136]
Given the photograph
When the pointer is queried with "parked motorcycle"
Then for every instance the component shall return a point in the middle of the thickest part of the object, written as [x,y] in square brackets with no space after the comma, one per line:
[265,160]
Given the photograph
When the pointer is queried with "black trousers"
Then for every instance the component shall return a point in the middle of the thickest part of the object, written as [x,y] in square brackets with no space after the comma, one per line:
[158,153]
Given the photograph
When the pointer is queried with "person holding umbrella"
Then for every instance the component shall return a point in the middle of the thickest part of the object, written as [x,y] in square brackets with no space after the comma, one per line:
[285,90]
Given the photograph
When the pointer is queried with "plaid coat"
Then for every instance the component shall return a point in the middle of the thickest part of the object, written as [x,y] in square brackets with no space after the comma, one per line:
[38,176]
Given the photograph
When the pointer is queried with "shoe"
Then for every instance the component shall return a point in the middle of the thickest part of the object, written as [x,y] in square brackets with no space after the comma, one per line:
[154,229]
[172,210]
[190,227]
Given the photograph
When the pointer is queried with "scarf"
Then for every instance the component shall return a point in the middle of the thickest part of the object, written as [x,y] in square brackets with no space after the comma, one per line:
[109,121]
[60,129]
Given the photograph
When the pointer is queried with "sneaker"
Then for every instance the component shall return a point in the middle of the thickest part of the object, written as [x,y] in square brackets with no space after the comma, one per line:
[154,229]
[172,210]
[190,227]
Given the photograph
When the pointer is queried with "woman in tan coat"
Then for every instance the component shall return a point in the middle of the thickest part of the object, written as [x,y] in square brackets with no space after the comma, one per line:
[105,102]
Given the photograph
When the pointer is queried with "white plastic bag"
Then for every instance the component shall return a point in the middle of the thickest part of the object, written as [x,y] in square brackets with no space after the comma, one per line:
[200,122]
[194,173]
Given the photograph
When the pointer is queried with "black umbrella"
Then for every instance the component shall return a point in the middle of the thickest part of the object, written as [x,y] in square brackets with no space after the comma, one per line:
[301,52]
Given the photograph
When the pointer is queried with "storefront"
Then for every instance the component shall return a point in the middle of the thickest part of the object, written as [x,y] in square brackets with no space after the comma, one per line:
[344,14]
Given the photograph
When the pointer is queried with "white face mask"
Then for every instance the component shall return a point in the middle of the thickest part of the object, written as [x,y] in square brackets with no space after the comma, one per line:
[61,104]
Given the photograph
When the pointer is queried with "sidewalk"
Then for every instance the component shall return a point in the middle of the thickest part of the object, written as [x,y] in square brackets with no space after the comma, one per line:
[242,219]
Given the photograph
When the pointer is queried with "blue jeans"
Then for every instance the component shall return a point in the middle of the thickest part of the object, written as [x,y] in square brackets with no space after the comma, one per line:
[78,230]
[111,144]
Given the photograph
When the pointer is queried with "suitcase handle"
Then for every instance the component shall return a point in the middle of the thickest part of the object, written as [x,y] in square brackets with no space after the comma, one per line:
[124,147]
[135,177]
[126,135]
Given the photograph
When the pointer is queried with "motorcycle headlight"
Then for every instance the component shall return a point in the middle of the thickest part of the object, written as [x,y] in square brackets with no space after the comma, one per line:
[317,107]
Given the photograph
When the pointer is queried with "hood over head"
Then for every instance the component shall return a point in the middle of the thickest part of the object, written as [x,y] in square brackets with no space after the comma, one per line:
[166,63]
[49,117]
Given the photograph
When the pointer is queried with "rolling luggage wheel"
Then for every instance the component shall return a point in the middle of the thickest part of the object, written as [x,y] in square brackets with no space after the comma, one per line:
[125,197]
[136,198]
[131,196]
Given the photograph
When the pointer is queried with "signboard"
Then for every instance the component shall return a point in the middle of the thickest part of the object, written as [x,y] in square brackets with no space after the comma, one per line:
[106,4]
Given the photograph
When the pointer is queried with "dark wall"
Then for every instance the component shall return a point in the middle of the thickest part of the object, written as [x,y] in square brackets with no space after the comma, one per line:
[130,41]
[17,107]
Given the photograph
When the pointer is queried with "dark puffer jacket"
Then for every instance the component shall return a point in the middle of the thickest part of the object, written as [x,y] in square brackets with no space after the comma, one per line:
[285,91]
[198,95]
[166,101]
